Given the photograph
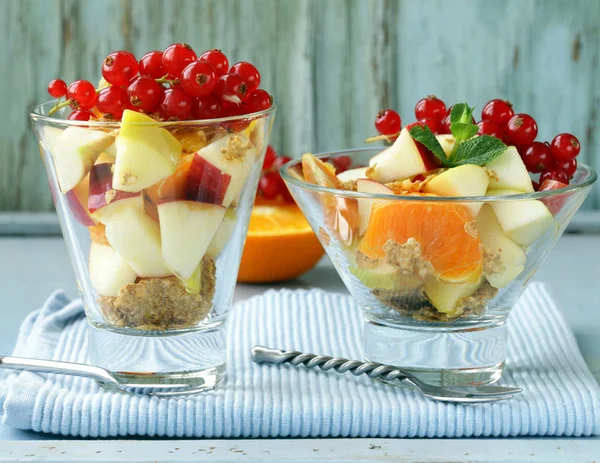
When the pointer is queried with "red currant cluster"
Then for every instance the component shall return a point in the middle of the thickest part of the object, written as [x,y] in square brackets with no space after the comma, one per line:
[174,84]
[554,160]
[271,186]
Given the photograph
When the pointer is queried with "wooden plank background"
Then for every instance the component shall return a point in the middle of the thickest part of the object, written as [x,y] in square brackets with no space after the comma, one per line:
[331,64]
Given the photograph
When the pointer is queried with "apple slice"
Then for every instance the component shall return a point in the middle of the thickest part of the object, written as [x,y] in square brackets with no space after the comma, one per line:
[77,198]
[386,276]
[525,220]
[445,297]
[101,192]
[223,234]
[365,206]
[352,174]
[227,163]
[403,159]
[466,180]
[145,153]
[135,236]
[511,256]
[74,151]
[510,171]
[108,271]
[554,204]
[447,142]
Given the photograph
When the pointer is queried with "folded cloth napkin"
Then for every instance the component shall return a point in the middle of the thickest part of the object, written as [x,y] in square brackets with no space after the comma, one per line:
[560,396]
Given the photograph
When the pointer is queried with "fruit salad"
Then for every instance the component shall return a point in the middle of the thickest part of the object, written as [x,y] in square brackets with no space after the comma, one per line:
[156,166]
[440,260]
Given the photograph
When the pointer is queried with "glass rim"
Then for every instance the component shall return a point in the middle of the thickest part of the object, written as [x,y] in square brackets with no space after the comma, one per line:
[589,179]
[37,114]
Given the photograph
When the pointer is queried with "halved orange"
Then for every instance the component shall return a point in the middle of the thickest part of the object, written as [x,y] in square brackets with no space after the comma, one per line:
[442,230]
[280,244]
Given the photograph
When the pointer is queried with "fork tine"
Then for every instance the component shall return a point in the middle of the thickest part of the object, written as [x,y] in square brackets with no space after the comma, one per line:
[464,399]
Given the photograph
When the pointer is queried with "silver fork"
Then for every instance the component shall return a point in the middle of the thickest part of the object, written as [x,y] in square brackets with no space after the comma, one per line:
[462,394]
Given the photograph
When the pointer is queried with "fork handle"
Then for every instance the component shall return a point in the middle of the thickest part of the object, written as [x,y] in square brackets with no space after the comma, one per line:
[262,354]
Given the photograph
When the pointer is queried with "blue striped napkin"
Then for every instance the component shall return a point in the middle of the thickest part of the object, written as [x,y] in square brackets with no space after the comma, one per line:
[561,398]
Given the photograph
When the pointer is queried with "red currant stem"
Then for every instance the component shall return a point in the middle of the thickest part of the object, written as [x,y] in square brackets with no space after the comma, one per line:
[164,80]
[388,138]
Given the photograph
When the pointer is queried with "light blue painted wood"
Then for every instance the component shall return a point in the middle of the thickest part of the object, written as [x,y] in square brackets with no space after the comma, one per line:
[331,64]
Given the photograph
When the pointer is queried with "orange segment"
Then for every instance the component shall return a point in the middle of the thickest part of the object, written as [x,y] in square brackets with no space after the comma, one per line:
[440,228]
[280,245]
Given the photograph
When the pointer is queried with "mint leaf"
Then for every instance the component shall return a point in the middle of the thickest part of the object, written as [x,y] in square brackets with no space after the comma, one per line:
[462,131]
[426,137]
[461,123]
[479,151]
[461,112]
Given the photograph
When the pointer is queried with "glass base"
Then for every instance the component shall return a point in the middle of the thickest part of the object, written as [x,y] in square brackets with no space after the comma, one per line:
[440,356]
[195,358]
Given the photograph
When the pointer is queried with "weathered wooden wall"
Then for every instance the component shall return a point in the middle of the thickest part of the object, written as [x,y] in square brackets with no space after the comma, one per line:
[331,64]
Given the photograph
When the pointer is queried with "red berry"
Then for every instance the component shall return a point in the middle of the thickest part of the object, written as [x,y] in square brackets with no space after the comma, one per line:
[217,59]
[521,129]
[81,115]
[434,125]
[151,65]
[176,57]
[119,68]
[269,185]
[489,128]
[565,147]
[231,88]
[82,94]
[232,109]
[270,156]
[446,125]
[430,107]
[259,100]
[175,104]
[341,163]
[247,72]
[569,167]
[208,107]
[280,161]
[415,124]
[112,101]
[497,112]
[57,88]
[144,93]
[198,78]
[554,174]
[537,157]
[388,122]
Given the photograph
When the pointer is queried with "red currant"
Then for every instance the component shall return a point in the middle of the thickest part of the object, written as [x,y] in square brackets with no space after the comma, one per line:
[232,109]
[175,104]
[231,88]
[537,157]
[280,161]
[112,101]
[81,115]
[151,65]
[249,73]
[554,174]
[270,156]
[119,68]
[497,112]
[415,124]
[435,125]
[430,107]
[144,93]
[218,60]
[57,88]
[176,57]
[270,184]
[565,147]
[489,128]
[259,100]
[521,129]
[569,167]
[341,163]
[208,107]
[446,125]
[198,78]
[388,122]
[82,94]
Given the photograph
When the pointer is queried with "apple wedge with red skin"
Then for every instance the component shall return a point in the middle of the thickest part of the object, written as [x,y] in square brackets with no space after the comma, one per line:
[101,192]
[553,204]
[206,183]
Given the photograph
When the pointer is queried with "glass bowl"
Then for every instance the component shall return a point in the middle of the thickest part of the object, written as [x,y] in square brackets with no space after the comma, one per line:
[436,277]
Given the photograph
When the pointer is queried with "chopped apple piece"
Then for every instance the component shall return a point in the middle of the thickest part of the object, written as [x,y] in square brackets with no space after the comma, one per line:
[230,157]
[385,276]
[186,229]
[145,153]
[101,192]
[510,256]
[466,180]
[204,183]
[446,297]
[352,174]
[365,206]
[74,151]
[524,220]
[403,159]
[223,234]
[447,142]
[77,198]
[108,271]
[510,171]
